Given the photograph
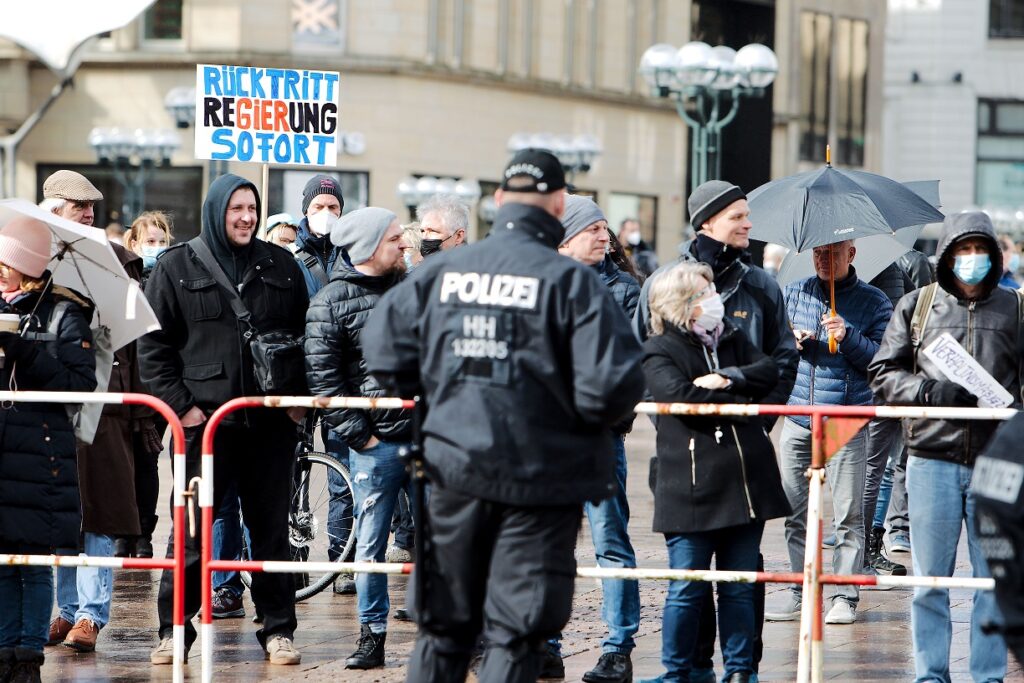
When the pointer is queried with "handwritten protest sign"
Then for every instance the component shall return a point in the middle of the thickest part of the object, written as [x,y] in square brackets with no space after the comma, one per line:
[960,367]
[267,116]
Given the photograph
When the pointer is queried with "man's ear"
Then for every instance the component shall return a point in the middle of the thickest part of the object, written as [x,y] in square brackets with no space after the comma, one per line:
[853,253]
[558,204]
[499,197]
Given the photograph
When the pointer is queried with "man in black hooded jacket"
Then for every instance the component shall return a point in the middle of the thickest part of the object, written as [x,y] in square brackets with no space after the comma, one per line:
[200,359]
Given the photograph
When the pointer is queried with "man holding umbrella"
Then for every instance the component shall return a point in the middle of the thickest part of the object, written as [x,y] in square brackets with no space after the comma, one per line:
[834,305]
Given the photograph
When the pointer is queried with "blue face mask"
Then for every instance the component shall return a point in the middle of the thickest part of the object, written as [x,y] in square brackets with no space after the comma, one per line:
[149,255]
[1014,264]
[972,268]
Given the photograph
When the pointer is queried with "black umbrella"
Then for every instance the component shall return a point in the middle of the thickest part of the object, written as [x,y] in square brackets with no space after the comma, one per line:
[831,205]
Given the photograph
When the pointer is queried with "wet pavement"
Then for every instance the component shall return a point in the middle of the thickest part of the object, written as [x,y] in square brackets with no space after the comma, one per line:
[876,648]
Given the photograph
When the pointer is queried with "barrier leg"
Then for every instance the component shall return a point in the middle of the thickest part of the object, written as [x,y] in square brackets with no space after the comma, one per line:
[206,554]
[810,660]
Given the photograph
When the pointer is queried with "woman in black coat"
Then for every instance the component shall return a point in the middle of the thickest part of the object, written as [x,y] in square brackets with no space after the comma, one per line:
[715,479]
[39,503]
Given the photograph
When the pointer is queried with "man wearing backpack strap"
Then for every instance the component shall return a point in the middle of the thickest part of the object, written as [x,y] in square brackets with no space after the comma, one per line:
[322,205]
[967,303]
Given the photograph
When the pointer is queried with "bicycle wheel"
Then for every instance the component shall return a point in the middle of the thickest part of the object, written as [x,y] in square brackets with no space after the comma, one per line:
[322,486]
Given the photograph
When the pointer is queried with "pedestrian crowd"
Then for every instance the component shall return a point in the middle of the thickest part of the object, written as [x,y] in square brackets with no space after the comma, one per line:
[530,349]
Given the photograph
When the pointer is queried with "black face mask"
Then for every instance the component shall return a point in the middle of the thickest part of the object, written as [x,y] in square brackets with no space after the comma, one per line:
[428,247]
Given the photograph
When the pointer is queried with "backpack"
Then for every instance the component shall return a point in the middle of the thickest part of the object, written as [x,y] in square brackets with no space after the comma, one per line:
[85,417]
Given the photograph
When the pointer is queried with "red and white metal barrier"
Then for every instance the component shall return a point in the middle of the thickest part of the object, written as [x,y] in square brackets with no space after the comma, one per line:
[177,563]
[831,427]
[206,504]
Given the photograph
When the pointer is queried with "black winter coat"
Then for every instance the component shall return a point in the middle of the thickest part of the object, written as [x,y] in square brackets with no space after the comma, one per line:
[39,503]
[334,356]
[711,472]
[523,359]
[199,356]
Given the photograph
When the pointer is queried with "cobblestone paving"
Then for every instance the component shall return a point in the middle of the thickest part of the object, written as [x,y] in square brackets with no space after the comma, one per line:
[876,648]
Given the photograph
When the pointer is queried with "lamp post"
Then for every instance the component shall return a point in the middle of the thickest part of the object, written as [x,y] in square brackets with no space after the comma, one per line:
[716,79]
[575,153]
[134,155]
[414,191]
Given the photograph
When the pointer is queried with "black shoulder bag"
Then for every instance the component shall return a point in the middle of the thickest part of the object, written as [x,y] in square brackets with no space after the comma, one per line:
[278,361]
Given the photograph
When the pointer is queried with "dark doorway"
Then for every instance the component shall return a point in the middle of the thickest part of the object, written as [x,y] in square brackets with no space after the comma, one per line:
[747,141]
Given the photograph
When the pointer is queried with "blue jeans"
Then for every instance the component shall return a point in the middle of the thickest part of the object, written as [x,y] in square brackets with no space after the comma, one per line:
[609,519]
[378,474]
[227,541]
[885,492]
[339,507]
[735,548]
[26,594]
[940,502]
[86,592]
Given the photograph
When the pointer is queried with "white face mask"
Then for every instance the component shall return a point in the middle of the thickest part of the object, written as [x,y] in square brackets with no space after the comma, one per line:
[294,248]
[321,222]
[633,239]
[712,312]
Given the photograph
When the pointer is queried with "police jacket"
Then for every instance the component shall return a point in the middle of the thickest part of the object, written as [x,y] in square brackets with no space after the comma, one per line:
[753,303]
[523,358]
[839,379]
[40,508]
[988,328]
[200,356]
[711,472]
[334,355]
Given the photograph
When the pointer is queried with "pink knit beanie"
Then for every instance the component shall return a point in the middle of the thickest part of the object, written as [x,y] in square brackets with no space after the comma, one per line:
[25,245]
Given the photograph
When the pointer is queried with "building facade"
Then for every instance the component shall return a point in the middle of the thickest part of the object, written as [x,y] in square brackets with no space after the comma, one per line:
[437,87]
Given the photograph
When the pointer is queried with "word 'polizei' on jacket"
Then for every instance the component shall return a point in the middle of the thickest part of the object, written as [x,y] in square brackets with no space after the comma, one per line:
[200,357]
[529,360]
[988,328]
[334,356]
[711,472]
[39,503]
[753,303]
[838,379]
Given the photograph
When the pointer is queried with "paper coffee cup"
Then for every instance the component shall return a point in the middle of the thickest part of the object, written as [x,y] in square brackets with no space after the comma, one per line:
[9,322]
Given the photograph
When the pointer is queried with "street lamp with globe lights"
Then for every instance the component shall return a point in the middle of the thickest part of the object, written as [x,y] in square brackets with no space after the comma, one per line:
[414,191]
[575,153]
[716,79]
[134,156]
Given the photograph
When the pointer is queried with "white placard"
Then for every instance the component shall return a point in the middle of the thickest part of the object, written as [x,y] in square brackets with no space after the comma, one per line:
[959,366]
[267,116]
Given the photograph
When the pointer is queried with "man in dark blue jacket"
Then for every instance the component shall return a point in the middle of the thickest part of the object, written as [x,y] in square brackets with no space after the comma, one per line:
[322,205]
[523,360]
[862,312]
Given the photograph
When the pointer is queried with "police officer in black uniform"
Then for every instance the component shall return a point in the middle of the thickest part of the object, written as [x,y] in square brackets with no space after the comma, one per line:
[523,358]
[997,482]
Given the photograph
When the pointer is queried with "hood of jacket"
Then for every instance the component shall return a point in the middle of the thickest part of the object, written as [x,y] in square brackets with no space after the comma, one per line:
[345,272]
[956,228]
[530,220]
[233,260]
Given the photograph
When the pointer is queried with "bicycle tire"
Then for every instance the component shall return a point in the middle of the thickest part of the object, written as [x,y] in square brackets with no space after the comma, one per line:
[306,531]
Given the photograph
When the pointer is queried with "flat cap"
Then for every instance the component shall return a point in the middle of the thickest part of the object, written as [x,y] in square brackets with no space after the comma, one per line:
[72,186]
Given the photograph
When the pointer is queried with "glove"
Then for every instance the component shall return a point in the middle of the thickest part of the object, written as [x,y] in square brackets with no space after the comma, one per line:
[148,439]
[947,394]
[15,347]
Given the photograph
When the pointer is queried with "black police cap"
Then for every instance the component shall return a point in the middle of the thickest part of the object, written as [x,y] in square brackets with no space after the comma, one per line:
[533,170]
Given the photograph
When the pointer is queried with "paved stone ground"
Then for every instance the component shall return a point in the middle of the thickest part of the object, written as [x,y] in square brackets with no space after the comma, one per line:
[876,648]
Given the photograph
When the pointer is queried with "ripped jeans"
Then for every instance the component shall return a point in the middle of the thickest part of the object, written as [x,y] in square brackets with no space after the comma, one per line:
[378,474]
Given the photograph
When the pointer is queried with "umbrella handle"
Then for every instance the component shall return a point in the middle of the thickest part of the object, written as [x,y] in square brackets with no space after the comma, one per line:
[833,345]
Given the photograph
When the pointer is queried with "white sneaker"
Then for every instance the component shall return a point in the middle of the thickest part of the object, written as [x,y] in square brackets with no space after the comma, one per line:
[397,554]
[789,611]
[842,612]
[281,650]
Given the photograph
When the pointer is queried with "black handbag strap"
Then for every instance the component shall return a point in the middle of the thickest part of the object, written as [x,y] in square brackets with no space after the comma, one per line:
[210,262]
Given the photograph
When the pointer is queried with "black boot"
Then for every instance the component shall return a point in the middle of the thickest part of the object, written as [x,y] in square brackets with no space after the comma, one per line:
[144,543]
[612,667]
[26,666]
[124,546]
[877,560]
[739,677]
[6,663]
[369,653]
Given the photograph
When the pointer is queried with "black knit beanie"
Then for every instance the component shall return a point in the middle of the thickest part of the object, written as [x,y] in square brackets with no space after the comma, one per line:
[709,198]
[320,184]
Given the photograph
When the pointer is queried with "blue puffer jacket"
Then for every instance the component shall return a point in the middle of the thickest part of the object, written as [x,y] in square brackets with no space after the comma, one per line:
[841,379]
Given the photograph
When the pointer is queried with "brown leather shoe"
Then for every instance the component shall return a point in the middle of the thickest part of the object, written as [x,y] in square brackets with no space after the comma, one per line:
[59,630]
[83,636]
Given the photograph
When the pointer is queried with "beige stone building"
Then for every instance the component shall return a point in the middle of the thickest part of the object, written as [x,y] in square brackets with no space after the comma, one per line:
[437,87]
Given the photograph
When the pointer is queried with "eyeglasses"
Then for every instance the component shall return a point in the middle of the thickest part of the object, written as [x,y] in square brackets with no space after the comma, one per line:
[704,293]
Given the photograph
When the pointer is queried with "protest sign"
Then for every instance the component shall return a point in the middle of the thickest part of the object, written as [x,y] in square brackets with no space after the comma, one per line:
[959,366]
[267,116]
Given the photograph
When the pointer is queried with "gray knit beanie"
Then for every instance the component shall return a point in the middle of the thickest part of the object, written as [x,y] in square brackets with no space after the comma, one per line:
[360,232]
[710,198]
[580,213]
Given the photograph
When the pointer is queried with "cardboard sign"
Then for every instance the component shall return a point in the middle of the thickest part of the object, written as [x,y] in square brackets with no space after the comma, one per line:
[959,366]
[267,116]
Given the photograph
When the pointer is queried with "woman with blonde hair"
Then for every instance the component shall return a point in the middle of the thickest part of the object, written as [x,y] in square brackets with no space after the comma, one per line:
[715,479]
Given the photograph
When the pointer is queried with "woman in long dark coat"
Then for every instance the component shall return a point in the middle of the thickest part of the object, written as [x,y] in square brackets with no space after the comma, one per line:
[39,503]
[715,479]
